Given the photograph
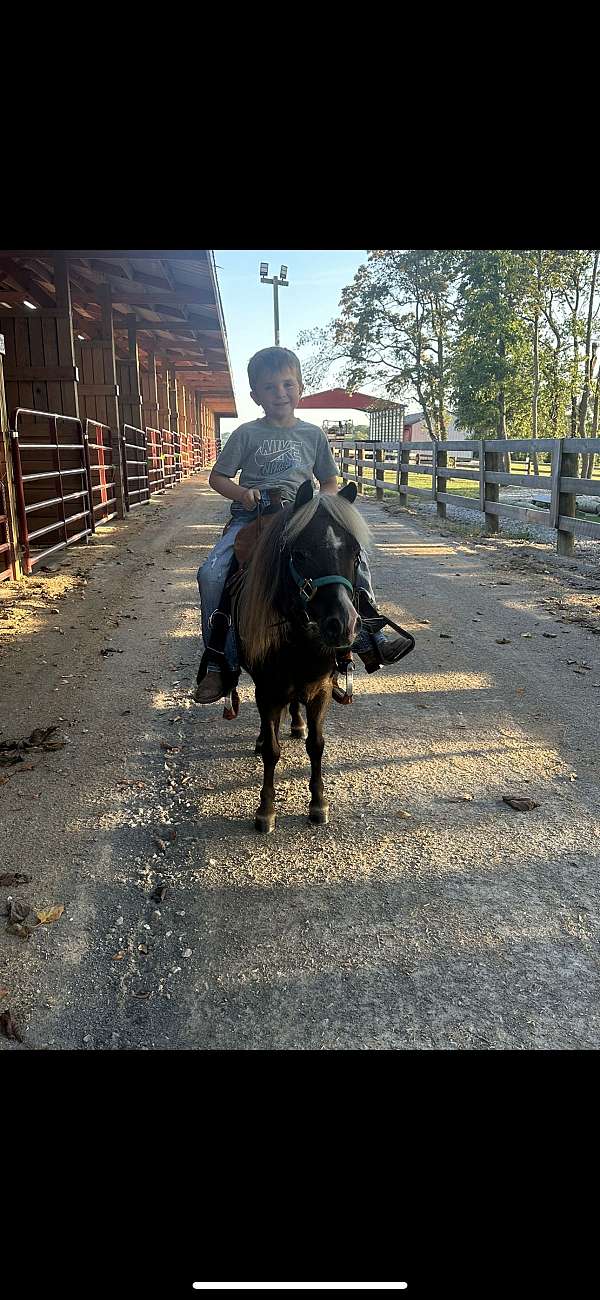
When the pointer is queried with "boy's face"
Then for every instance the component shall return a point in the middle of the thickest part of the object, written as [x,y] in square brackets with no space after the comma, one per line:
[278,395]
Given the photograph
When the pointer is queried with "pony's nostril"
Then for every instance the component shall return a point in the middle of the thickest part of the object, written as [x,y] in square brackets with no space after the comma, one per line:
[332,629]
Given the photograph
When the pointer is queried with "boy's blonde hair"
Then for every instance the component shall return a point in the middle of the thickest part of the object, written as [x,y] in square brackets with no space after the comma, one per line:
[271,361]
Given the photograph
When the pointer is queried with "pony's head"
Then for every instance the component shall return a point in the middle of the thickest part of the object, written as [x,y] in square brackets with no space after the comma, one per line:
[304,568]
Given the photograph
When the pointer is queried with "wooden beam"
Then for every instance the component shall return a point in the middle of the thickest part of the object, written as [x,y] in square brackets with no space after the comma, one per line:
[27,283]
[163,297]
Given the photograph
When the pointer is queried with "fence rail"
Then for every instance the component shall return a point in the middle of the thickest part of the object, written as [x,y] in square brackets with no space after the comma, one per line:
[371,461]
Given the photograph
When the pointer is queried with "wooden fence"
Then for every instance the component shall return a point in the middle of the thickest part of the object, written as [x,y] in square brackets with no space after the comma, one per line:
[367,463]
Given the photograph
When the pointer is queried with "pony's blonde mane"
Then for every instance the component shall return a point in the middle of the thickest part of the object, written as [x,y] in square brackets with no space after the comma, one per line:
[262,628]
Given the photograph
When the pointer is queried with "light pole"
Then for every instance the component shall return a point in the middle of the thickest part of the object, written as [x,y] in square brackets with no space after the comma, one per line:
[277,281]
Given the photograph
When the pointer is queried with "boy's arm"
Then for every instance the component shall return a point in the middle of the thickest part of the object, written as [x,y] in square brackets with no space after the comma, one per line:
[227,488]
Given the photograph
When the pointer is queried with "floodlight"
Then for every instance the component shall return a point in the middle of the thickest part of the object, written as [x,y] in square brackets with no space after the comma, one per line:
[264,269]
[283,273]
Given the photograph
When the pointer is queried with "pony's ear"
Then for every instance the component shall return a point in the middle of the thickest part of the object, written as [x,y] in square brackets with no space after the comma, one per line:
[304,494]
[349,492]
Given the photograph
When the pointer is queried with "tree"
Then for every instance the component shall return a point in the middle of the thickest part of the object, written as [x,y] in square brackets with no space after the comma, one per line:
[394,330]
[490,378]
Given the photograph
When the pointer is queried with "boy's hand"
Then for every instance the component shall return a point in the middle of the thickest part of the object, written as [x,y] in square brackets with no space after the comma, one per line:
[250,497]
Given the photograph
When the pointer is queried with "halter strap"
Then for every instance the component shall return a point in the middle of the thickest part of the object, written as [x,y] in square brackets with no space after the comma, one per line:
[308,587]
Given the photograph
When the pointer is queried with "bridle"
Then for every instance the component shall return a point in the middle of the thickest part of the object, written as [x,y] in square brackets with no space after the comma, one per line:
[308,587]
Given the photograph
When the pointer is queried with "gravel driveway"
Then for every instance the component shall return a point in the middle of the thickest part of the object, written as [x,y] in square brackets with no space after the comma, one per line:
[427,914]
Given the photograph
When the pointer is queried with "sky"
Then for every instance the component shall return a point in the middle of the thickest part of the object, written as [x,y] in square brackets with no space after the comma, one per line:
[316,279]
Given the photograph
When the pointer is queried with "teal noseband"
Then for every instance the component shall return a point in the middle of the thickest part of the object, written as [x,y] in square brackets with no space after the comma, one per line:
[308,587]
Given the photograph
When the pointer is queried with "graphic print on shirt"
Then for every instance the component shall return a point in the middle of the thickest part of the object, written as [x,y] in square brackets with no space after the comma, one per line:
[277,455]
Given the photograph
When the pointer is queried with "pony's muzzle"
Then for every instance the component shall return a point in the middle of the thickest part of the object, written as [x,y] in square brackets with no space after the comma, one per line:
[341,629]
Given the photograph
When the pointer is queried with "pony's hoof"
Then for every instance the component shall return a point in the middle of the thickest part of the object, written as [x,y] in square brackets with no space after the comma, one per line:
[264,822]
[319,813]
[299,733]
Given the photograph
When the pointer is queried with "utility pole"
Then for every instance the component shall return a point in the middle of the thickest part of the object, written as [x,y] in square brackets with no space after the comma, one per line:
[278,281]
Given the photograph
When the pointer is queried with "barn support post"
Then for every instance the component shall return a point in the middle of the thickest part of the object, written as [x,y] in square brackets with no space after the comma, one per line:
[8,500]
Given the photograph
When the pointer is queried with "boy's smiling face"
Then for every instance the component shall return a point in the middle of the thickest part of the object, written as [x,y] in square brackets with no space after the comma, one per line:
[279,396]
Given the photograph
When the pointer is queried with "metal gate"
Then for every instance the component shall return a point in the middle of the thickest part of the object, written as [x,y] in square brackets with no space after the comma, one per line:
[6,544]
[101,467]
[168,458]
[135,464]
[49,455]
[156,466]
[177,473]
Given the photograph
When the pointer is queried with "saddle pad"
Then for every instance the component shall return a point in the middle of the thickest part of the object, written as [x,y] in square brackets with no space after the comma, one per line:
[245,542]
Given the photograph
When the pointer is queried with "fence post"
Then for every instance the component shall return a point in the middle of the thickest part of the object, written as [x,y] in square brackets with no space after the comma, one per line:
[481,445]
[439,457]
[491,491]
[359,454]
[403,464]
[563,465]
[378,456]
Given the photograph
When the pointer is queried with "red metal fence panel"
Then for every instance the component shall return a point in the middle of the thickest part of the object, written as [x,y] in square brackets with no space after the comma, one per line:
[169,457]
[156,466]
[49,455]
[6,548]
[135,464]
[102,477]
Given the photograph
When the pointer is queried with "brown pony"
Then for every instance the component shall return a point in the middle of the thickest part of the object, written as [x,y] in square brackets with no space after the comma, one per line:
[293,611]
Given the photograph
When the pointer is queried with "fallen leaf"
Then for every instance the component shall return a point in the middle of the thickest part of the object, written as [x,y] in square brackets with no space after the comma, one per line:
[4,993]
[14,878]
[404,815]
[160,844]
[459,798]
[160,890]
[142,947]
[169,749]
[140,994]
[551,635]
[51,914]
[503,640]
[9,1027]
[445,636]
[521,805]
[118,956]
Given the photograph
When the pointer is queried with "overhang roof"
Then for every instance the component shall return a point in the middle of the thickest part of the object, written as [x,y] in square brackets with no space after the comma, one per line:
[171,296]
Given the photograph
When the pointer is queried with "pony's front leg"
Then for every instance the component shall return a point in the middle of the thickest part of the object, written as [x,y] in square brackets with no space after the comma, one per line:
[316,711]
[270,716]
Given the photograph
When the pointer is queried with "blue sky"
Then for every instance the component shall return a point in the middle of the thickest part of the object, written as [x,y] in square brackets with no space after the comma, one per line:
[316,278]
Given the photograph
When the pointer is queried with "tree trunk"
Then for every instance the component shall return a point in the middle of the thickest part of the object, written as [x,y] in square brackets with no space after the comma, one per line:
[587,382]
[536,387]
[502,412]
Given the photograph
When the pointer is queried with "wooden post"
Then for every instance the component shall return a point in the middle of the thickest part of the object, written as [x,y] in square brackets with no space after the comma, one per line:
[6,479]
[378,458]
[403,467]
[64,331]
[566,466]
[173,400]
[149,394]
[360,461]
[440,457]
[481,444]
[491,461]
[111,398]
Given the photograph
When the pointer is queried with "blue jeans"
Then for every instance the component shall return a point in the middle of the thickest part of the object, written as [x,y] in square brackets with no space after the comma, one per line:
[211,580]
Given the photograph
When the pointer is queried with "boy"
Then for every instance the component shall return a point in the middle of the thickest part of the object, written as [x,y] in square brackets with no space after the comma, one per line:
[278,451]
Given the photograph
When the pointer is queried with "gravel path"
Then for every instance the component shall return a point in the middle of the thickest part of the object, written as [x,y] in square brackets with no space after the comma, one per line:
[428,914]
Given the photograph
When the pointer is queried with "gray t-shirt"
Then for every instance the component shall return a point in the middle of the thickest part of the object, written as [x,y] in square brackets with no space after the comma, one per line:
[272,457]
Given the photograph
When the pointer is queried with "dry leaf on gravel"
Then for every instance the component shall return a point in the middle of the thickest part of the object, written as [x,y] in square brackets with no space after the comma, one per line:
[14,878]
[521,805]
[118,956]
[9,1027]
[503,640]
[460,798]
[50,914]
[160,844]
[4,993]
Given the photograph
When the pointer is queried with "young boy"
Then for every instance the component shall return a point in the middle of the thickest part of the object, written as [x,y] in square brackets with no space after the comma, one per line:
[280,452]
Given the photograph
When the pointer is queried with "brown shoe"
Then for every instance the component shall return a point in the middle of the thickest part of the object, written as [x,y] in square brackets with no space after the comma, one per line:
[210,689]
[392,648]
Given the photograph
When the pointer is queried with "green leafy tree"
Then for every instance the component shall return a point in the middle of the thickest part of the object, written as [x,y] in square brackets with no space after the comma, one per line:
[394,330]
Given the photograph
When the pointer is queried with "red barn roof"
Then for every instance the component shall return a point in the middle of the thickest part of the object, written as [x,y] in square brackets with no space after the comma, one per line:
[338,399]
